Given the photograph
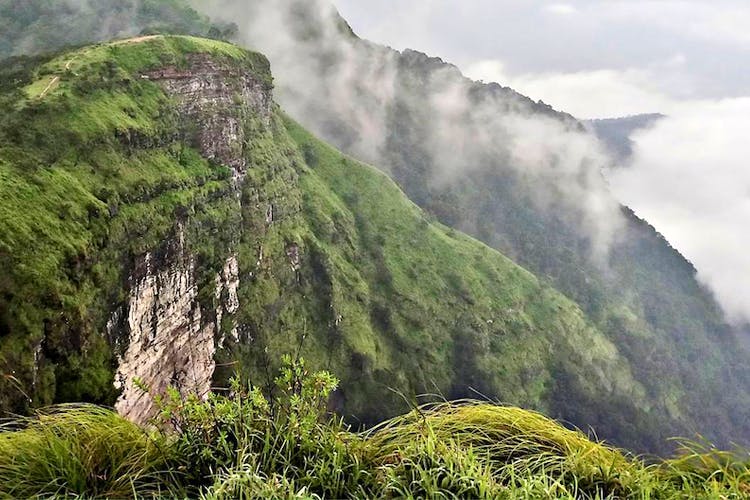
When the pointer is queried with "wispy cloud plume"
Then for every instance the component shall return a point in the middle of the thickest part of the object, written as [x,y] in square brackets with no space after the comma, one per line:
[690,178]
[349,91]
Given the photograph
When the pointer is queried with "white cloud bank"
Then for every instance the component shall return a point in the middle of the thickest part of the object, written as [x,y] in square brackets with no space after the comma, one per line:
[603,93]
[691,179]
[690,174]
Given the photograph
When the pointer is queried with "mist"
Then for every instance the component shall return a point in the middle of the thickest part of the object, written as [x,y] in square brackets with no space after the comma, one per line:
[689,177]
[41,28]
[687,60]
[87,20]
[347,90]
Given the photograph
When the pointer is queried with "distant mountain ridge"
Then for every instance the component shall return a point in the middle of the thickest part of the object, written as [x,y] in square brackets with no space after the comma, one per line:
[616,132]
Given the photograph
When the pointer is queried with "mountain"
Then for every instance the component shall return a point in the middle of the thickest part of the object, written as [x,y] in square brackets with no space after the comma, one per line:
[483,159]
[616,132]
[522,178]
[164,223]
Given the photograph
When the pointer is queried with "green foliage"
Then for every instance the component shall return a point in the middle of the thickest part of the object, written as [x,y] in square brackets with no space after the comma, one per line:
[491,326]
[248,445]
[236,443]
[99,171]
[92,175]
[80,451]
[686,370]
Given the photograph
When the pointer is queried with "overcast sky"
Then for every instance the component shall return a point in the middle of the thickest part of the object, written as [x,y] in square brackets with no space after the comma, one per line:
[591,58]
[690,59]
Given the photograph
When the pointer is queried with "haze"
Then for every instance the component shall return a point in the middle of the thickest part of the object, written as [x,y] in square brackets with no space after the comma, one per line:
[687,59]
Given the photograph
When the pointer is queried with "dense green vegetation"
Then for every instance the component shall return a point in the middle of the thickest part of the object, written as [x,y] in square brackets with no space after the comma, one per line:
[458,166]
[80,198]
[646,300]
[283,444]
[99,168]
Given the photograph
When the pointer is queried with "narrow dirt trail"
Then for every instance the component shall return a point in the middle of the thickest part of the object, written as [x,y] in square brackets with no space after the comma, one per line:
[49,87]
[137,39]
[53,83]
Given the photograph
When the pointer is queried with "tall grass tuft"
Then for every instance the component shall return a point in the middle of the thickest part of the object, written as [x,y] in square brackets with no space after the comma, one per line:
[701,468]
[512,444]
[80,450]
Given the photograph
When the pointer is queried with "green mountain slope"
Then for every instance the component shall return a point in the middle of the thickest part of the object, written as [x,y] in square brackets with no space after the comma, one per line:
[522,178]
[111,176]
[646,299]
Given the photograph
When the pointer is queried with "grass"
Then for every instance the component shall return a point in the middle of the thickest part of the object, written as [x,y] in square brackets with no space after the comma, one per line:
[92,175]
[99,173]
[249,445]
[79,451]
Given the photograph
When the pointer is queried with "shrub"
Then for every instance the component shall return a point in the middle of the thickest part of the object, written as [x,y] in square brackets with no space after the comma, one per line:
[285,445]
[230,443]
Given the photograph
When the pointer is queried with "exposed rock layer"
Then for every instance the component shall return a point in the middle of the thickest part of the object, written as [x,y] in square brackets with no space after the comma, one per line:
[168,342]
[213,100]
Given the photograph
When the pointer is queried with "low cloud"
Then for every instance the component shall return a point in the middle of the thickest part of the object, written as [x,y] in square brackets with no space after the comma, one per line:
[689,175]
[353,93]
[604,93]
[563,9]
[690,179]
[560,164]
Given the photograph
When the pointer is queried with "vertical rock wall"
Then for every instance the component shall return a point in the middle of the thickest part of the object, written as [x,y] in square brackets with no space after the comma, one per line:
[168,342]
[215,99]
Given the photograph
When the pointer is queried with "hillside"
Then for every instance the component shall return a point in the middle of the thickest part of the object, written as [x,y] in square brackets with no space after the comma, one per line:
[525,180]
[460,162]
[163,222]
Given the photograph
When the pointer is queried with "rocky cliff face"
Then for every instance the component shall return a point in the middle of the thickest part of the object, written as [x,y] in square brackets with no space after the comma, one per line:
[213,101]
[171,340]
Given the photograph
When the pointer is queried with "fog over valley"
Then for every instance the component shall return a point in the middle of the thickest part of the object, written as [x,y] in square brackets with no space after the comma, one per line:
[688,60]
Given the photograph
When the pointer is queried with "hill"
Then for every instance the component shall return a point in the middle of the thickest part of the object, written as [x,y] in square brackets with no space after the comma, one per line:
[163,223]
[524,179]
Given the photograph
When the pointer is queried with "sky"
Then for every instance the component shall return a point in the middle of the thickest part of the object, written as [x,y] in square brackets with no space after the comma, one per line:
[688,59]
[594,59]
